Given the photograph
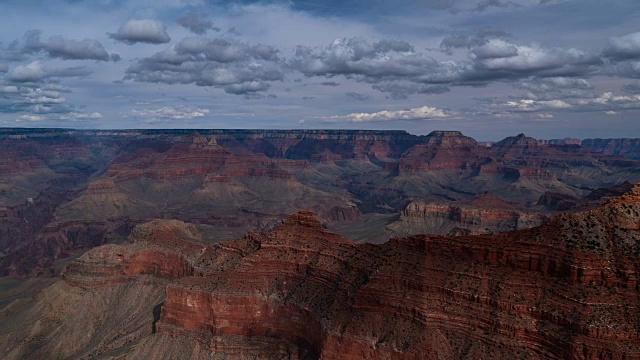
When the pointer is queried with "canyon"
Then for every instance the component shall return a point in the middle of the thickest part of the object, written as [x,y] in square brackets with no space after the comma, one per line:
[333,244]
[566,289]
[65,191]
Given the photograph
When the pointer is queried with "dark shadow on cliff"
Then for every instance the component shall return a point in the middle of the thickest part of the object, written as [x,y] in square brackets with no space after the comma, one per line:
[157,310]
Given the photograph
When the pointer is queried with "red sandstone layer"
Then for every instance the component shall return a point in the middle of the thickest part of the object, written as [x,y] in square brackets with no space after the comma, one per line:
[566,289]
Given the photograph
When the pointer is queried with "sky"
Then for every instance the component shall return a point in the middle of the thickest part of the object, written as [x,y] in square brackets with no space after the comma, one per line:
[488,68]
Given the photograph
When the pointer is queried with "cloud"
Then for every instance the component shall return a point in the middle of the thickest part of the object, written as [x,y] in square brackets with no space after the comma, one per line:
[59,47]
[330,83]
[141,31]
[505,60]
[397,68]
[625,47]
[421,113]
[633,88]
[379,63]
[196,23]
[486,4]
[357,56]
[57,117]
[458,41]
[171,112]
[221,50]
[401,89]
[29,118]
[605,102]
[36,98]
[35,71]
[544,116]
[494,49]
[246,87]
[556,88]
[237,68]
[527,105]
[12,89]
[81,116]
[608,100]
[11,53]
[357,96]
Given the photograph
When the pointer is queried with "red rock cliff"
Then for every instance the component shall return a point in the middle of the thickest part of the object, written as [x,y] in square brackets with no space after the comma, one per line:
[566,289]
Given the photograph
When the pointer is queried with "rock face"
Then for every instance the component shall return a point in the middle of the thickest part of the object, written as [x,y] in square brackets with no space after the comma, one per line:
[567,289]
[563,202]
[565,141]
[485,214]
[626,147]
[439,151]
[365,184]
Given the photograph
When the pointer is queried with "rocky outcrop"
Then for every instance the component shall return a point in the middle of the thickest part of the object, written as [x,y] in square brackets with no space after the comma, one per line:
[565,141]
[558,201]
[485,214]
[440,150]
[514,146]
[313,144]
[565,289]
[563,202]
[626,147]
[58,240]
[511,294]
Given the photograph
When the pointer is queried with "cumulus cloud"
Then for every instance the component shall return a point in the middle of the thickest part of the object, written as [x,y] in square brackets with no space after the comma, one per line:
[544,116]
[34,98]
[196,23]
[59,47]
[527,105]
[612,101]
[604,102]
[396,67]
[421,113]
[36,71]
[377,62]
[358,57]
[246,87]
[141,31]
[505,60]
[29,118]
[171,112]
[625,47]
[459,41]
[12,89]
[221,50]
[58,117]
[494,49]
[33,71]
[238,68]
[555,88]
[90,49]
[81,116]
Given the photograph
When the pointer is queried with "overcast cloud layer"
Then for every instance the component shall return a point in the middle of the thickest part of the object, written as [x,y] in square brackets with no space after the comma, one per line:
[493,68]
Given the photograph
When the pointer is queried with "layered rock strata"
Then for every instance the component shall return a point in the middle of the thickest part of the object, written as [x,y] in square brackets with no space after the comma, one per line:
[566,289]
